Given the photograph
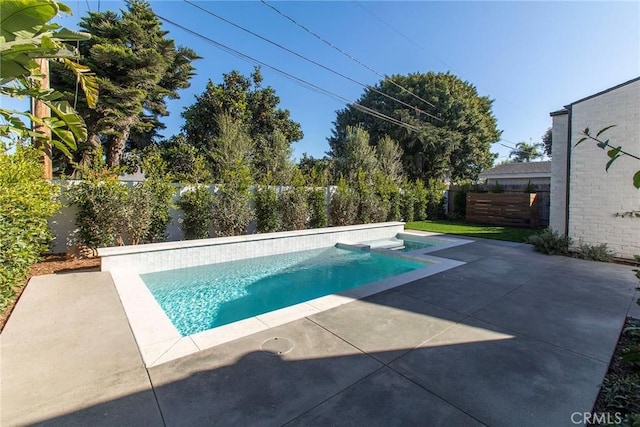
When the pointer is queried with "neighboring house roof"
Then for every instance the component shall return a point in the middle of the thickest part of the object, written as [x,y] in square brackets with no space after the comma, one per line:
[519,170]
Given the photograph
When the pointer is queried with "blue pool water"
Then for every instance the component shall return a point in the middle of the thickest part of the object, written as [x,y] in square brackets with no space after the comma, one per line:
[201,298]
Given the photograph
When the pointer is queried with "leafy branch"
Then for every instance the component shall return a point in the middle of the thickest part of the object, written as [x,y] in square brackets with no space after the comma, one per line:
[26,36]
[614,153]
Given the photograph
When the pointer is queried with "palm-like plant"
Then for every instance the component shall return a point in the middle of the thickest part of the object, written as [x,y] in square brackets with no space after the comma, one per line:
[26,35]
[525,152]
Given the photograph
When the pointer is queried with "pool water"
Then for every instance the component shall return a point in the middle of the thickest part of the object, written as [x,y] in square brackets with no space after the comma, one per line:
[200,298]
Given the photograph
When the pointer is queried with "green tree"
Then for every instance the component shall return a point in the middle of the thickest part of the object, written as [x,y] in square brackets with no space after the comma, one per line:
[389,156]
[26,34]
[525,152]
[256,108]
[547,141]
[316,170]
[455,142]
[184,163]
[358,156]
[137,68]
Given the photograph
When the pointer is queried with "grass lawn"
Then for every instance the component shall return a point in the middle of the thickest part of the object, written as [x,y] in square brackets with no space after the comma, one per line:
[512,234]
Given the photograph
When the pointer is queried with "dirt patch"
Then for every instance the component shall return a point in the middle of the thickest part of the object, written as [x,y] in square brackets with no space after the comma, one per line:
[620,392]
[63,264]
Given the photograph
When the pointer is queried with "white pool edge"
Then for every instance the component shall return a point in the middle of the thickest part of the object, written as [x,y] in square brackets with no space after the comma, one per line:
[159,341]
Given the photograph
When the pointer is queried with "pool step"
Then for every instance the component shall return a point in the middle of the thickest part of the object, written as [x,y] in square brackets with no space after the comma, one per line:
[354,247]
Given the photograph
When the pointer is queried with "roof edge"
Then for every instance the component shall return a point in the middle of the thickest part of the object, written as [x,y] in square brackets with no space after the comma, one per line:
[559,112]
[606,90]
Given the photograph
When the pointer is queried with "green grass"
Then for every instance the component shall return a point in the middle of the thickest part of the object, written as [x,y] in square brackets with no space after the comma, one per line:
[512,234]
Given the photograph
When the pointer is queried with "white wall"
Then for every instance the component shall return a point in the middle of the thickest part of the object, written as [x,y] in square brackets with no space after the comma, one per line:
[559,134]
[596,195]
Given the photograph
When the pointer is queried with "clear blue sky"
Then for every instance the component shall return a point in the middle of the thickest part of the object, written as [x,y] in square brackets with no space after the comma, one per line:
[530,57]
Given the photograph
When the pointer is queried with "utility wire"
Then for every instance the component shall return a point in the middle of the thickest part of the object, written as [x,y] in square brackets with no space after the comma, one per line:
[305,83]
[328,43]
[400,33]
[331,70]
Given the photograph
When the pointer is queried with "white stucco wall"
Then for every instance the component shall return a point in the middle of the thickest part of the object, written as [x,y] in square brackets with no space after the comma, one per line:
[595,196]
[559,134]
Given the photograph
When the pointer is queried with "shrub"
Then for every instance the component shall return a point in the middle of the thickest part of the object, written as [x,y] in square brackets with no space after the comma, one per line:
[196,203]
[139,213]
[395,204]
[408,202]
[294,211]
[343,207]
[317,208]
[550,242]
[231,212]
[594,252]
[26,202]
[370,205]
[421,201]
[496,188]
[160,191]
[266,206]
[529,188]
[435,198]
[102,211]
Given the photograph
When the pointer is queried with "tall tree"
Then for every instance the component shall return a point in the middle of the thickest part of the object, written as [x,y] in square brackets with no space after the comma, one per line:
[525,152]
[454,139]
[256,107]
[138,68]
[358,156]
[389,156]
[547,141]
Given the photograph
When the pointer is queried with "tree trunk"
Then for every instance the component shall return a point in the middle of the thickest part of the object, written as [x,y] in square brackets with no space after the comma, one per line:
[41,111]
[116,143]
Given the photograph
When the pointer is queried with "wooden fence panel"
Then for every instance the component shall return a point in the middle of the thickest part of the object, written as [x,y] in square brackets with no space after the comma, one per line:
[511,209]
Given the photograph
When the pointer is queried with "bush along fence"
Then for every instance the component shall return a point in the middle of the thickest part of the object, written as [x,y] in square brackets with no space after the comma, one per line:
[106,212]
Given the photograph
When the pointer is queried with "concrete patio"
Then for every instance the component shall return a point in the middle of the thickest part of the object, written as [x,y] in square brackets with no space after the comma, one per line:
[510,338]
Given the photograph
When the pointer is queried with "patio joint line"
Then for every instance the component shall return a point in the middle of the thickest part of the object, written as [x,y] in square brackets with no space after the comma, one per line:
[437,395]
[344,340]
[335,394]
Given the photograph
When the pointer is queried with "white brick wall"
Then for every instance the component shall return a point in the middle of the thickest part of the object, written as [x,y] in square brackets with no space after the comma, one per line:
[559,133]
[596,195]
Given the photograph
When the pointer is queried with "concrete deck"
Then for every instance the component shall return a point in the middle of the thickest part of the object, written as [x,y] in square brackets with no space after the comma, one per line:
[510,338]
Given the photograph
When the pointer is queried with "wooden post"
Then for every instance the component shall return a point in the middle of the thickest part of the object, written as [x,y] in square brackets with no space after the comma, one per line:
[41,110]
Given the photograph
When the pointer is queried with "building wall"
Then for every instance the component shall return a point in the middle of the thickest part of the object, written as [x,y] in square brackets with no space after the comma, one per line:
[559,135]
[596,195]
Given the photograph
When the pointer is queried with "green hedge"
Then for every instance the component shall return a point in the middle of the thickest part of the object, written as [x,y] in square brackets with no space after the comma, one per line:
[26,202]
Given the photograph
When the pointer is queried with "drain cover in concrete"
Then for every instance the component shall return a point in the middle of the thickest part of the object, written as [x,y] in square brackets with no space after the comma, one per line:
[277,345]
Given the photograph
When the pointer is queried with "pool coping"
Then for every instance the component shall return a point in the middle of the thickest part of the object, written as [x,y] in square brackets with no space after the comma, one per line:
[159,341]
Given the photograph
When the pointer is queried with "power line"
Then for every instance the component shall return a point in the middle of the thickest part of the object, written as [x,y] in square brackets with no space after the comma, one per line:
[331,70]
[400,33]
[384,77]
[305,83]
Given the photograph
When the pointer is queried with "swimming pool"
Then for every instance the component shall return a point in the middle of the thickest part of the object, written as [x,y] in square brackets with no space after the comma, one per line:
[200,298]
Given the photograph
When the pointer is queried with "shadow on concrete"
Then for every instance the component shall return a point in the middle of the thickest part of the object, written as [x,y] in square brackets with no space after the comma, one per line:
[467,373]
